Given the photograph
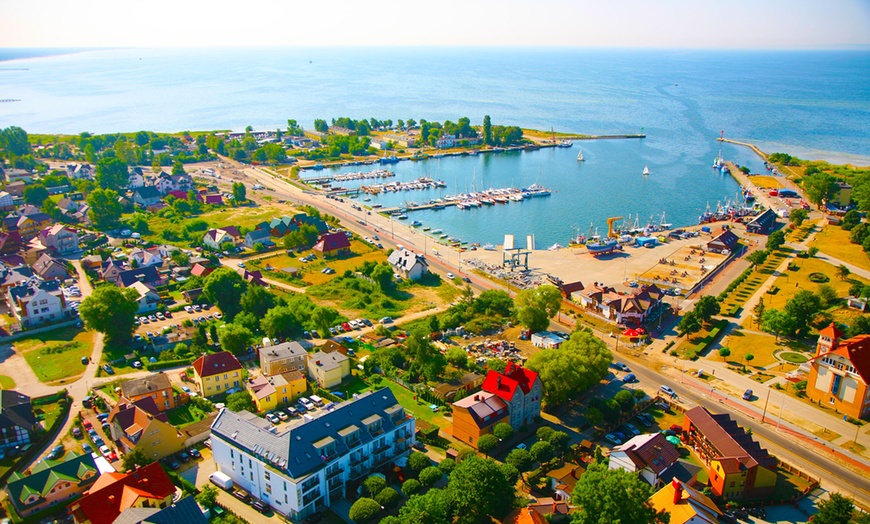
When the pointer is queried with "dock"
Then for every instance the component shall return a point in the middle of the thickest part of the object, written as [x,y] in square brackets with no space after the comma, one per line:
[757,151]
[611,137]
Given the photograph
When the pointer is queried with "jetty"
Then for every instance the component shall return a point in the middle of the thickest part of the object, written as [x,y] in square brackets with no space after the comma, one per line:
[757,151]
[394,187]
[342,177]
[610,137]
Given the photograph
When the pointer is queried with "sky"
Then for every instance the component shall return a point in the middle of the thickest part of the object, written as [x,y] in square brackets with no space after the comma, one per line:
[726,24]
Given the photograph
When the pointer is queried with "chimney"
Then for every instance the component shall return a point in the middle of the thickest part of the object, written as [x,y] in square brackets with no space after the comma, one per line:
[498,380]
[678,491]
[477,398]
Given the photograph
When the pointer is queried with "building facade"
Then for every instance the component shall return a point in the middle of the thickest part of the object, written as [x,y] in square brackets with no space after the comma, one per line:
[287,356]
[840,372]
[328,369]
[521,389]
[476,415]
[157,387]
[51,483]
[307,467]
[215,373]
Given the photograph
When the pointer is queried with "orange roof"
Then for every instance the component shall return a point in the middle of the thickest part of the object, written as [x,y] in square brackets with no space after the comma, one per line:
[857,351]
[524,516]
[685,504]
[831,332]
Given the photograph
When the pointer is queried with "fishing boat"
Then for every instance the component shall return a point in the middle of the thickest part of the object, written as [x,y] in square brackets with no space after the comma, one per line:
[416,223]
[645,170]
[445,235]
[367,199]
[402,216]
[602,246]
[389,159]
[427,228]
[437,231]
[580,156]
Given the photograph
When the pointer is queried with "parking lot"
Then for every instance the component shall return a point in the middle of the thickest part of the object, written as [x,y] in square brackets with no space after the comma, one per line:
[156,326]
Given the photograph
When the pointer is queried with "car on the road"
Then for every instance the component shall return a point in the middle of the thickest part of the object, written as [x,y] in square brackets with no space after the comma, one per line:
[451,276]
[629,378]
[620,366]
[613,438]
[747,395]
[56,453]
[112,456]
[108,369]
[522,445]
[386,320]
[668,391]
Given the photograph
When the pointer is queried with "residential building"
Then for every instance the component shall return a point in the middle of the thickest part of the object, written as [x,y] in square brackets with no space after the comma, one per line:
[185,510]
[50,483]
[148,299]
[476,415]
[155,386]
[276,390]
[628,309]
[17,421]
[763,224]
[199,270]
[48,268]
[306,467]
[408,264]
[328,369]
[649,455]
[36,303]
[278,227]
[522,390]
[685,505]
[332,245]
[259,236]
[140,426]
[16,189]
[28,226]
[546,339]
[6,201]
[738,467]
[10,242]
[302,219]
[113,493]
[525,516]
[212,199]
[840,373]
[724,243]
[136,178]
[215,373]
[465,384]
[254,277]
[550,509]
[14,175]
[445,141]
[287,356]
[843,195]
[148,275]
[60,239]
[401,140]
[147,257]
[222,238]
[563,479]
[146,196]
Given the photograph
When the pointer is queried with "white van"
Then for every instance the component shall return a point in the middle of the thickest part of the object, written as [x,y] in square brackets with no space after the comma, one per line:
[222,480]
[316,400]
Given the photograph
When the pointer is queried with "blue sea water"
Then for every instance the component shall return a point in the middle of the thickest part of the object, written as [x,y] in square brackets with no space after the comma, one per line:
[811,104]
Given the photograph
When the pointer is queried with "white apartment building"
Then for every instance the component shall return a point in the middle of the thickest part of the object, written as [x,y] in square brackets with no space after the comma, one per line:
[304,467]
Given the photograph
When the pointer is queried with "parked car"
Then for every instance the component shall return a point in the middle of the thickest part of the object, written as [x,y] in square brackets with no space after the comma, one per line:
[195,453]
[613,439]
[676,428]
[242,495]
[620,366]
[85,361]
[87,448]
[630,429]
[108,369]
[668,391]
[629,378]
[283,416]
[293,412]
[747,395]
[102,417]
[272,418]
[451,276]
[301,408]
[56,453]
[77,432]
[643,420]
[105,450]
[184,457]
[260,506]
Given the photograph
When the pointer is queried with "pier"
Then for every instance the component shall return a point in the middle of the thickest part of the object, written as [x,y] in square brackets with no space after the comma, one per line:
[394,187]
[758,152]
[610,137]
[342,177]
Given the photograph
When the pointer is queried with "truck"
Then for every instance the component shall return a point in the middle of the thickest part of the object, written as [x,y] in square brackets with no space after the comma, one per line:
[222,480]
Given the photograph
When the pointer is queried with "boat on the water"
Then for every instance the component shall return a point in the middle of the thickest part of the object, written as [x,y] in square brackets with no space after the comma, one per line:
[416,223]
[580,156]
[445,235]
[402,217]
[389,160]
[437,231]
[645,170]
[427,228]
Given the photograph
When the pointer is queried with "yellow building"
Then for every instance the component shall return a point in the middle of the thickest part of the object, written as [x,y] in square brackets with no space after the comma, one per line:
[141,426]
[328,369]
[685,505]
[215,373]
[271,392]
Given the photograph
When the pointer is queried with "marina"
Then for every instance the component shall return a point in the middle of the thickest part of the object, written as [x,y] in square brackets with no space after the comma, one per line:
[414,185]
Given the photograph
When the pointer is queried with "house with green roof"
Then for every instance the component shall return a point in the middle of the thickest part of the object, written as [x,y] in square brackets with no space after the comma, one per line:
[51,482]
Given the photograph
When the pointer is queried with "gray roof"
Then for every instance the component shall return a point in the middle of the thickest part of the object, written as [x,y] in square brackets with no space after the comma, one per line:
[326,361]
[147,192]
[406,260]
[145,385]
[185,510]
[293,451]
[284,350]
[16,410]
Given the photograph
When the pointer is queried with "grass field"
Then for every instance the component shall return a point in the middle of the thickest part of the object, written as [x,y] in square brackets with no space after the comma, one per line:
[55,355]
[766,182]
[185,415]
[241,217]
[310,273]
[7,382]
[834,241]
[762,348]
[788,485]
[793,281]
[418,408]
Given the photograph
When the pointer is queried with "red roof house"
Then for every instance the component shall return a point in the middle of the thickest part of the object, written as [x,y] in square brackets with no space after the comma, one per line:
[520,388]
[333,244]
[113,493]
[840,373]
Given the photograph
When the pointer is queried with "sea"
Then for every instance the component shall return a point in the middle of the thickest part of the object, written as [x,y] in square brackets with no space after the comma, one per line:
[811,104]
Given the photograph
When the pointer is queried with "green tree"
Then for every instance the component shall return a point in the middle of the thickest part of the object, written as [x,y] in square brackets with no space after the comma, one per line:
[323,317]
[240,192]
[257,300]
[279,322]
[503,431]
[536,306]
[426,360]
[758,310]
[544,432]
[35,194]
[234,338]
[479,489]
[690,323]
[837,509]
[520,459]
[429,476]
[559,440]
[111,173]
[843,272]
[860,326]
[614,495]
[134,459]
[542,451]
[577,365]
[417,461]
[387,497]
[487,443]
[105,210]
[321,126]
[819,187]
[797,216]
[802,308]
[410,486]
[373,485]
[724,353]
[430,508]
[457,356]
[777,322]
[828,295]
[756,258]
[748,358]
[111,311]
[625,400]
[225,288]
[364,510]
[706,307]
[240,401]
[775,240]
[207,497]
[487,130]
[383,275]
[14,141]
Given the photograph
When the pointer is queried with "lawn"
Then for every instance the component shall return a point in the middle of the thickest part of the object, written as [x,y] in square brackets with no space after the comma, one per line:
[241,217]
[762,348]
[55,355]
[834,241]
[418,408]
[7,382]
[788,485]
[766,182]
[50,413]
[310,273]
[185,415]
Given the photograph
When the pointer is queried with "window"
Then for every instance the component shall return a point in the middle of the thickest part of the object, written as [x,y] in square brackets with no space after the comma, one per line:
[732,484]
[268,488]
[231,453]
[218,387]
[226,376]
[267,476]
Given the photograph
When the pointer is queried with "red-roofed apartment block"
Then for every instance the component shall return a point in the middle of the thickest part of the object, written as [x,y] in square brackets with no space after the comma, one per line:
[521,389]
[112,493]
[840,372]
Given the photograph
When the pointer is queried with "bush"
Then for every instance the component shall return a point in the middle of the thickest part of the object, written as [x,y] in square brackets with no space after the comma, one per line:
[418,461]
[374,485]
[447,466]
[411,486]
[819,278]
[163,364]
[387,497]
[364,510]
[430,476]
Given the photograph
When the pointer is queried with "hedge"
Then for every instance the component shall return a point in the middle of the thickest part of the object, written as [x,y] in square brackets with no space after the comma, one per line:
[700,347]
[153,366]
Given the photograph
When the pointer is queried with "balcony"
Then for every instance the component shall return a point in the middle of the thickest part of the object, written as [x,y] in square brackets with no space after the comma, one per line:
[357,472]
[380,460]
[335,484]
[333,474]
[356,460]
[380,449]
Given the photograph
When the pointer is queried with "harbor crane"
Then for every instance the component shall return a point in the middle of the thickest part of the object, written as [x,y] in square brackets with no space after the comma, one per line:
[610,221]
